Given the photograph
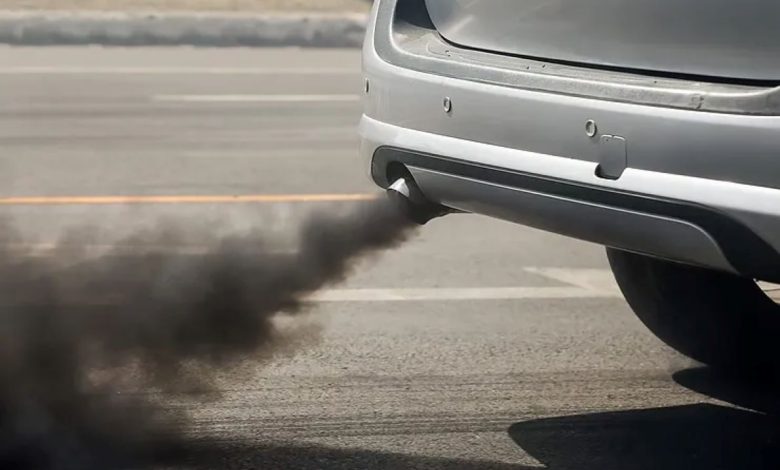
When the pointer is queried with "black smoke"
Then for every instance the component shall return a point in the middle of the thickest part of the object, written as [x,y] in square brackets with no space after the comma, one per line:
[87,343]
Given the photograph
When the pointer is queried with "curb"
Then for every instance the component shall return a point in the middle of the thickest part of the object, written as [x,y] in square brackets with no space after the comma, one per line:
[194,29]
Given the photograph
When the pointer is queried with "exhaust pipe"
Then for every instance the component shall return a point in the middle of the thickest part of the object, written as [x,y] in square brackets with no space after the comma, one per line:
[409,199]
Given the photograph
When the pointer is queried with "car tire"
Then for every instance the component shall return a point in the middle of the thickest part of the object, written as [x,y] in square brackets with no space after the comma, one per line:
[719,319]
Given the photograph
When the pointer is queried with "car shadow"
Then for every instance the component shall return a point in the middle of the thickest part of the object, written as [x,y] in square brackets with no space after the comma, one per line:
[756,393]
[691,437]
[688,437]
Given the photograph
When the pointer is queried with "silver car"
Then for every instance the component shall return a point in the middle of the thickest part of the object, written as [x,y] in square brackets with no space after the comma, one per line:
[651,127]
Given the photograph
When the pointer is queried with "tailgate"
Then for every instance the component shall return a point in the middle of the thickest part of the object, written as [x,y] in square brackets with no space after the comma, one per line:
[732,39]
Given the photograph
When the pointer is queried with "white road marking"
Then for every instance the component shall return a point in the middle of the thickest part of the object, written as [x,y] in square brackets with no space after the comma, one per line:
[442,294]
[771,290]
[585,283]
[594,280]
[75,70]
[256,98]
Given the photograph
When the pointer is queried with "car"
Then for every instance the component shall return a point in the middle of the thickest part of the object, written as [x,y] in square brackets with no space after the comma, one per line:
[652,128]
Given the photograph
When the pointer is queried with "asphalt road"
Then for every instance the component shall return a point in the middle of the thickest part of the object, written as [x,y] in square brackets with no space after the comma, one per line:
[479,344]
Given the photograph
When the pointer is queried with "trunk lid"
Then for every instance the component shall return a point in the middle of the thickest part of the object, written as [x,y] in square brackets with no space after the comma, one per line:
[726,39]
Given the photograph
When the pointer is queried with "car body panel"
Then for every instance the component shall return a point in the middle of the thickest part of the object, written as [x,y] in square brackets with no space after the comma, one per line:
[715,38]
[724,163]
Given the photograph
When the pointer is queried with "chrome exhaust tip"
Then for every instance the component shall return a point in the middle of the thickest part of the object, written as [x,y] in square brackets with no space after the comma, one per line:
[410,200]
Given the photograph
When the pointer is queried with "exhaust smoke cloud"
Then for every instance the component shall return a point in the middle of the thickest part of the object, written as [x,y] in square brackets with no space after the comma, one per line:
[76,333]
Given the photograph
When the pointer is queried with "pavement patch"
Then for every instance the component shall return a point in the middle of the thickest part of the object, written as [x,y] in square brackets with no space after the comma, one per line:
[183,28]
[77,70]
[204,199]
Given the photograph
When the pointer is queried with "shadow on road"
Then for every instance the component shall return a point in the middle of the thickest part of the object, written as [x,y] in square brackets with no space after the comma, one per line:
[746,393]
[691,437]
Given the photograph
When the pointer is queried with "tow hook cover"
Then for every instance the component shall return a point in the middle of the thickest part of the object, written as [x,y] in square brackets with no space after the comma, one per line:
[612,156]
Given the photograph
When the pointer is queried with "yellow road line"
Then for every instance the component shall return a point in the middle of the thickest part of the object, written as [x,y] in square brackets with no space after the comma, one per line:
[203,199]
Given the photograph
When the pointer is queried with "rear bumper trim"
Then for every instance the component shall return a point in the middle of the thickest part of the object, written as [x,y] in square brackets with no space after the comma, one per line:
[748,253]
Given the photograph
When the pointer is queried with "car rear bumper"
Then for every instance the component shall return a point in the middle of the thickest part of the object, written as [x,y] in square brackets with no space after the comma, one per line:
[701,187]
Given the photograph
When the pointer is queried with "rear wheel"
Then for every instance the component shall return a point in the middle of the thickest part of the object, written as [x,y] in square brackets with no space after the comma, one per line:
[717,318]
